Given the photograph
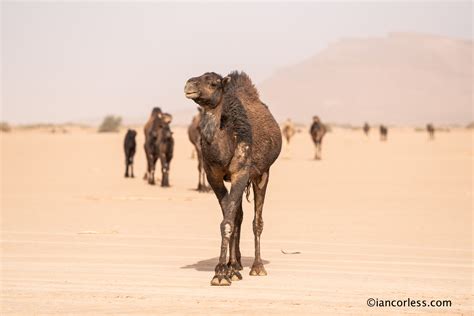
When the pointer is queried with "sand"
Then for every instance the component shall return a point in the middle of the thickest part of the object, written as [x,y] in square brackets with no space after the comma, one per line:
[371,220]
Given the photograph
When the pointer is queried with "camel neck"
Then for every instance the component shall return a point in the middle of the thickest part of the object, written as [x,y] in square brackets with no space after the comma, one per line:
[210,122]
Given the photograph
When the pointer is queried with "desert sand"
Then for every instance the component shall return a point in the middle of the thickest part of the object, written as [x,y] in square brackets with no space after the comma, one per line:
[371,220]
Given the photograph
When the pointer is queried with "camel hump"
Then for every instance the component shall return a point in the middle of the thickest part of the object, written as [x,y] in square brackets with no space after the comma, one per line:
[243,88]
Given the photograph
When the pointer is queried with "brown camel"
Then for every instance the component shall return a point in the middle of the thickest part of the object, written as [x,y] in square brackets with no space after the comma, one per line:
[366,129]
[431,130]
[317,131]
[194,134]
[383,132]
[159,143]
[288,130]
[240,141]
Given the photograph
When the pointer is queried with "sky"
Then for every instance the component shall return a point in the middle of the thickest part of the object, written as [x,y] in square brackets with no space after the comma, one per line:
[79,61]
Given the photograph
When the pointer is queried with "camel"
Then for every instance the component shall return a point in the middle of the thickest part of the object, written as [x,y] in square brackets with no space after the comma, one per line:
[383,132]
[288,130]
[317,131]
[159,143]
[366,129]
[194,134]
[240,141]
[431,130]
[130,147]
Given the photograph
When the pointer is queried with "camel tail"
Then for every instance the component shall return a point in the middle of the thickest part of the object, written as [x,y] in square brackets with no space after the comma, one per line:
[247,191]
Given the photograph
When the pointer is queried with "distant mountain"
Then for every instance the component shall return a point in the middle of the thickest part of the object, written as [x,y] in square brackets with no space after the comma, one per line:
[399,79]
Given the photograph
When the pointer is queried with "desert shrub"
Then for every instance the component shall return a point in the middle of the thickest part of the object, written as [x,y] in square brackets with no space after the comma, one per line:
[5,127]
[110,124]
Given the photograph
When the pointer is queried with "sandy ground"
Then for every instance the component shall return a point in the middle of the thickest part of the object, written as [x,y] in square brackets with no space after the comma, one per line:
[371,220]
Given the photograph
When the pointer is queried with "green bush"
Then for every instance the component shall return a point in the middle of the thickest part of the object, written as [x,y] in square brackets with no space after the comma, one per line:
[110,124]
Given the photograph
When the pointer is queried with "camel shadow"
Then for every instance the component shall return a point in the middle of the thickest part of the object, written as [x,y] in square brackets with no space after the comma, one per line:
[208,190]
[210,264]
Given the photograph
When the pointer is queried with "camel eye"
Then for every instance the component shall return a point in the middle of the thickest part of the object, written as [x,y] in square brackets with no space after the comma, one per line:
[213,84]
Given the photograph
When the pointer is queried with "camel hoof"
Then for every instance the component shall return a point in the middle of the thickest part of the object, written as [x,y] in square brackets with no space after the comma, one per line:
[258,270]
[236,276]
[238,266]
[126,176]
[221,281]
[203,189]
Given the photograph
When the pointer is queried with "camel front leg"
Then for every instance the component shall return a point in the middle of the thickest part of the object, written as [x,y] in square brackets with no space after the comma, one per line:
[215,180]
[132,155]
[165,170]
[151,169]
[230,204]
[126,167]
[317,155]
[235,264]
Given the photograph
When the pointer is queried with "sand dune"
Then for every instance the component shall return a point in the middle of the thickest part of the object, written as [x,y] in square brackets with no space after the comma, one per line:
[383,220]
[402,78]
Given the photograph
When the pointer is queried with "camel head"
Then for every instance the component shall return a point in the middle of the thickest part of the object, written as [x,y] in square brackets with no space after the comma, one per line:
[156,111]
[316,119]
[132,133]
[206,90]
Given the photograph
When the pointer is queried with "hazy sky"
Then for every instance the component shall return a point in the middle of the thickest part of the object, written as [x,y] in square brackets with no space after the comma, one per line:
[80,61]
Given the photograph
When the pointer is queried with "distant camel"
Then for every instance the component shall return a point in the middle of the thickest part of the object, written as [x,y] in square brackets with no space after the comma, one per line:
[240,141]
[159,143]
[431,130]
[317,131]
[366,128]
[383,132]
[194,134]
[288,130]
[130,147]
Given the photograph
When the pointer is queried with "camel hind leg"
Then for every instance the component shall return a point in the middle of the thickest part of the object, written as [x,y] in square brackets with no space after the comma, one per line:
[259,189]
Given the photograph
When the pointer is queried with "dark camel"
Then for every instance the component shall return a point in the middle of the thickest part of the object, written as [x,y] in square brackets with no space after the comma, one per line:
[240,141]
[431,130]
[383,132]
[194,134]
[130,147]
[317,131]
[159,143]
[366,129]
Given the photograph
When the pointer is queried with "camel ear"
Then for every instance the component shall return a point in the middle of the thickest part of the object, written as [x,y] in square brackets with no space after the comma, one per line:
[167,118]
[225,81]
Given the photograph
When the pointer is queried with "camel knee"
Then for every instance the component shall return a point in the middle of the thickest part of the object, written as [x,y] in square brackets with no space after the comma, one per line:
[227,228]
[257,227]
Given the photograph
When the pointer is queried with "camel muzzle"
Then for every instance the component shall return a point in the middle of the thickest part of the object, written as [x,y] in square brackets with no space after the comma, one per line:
[190,90]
